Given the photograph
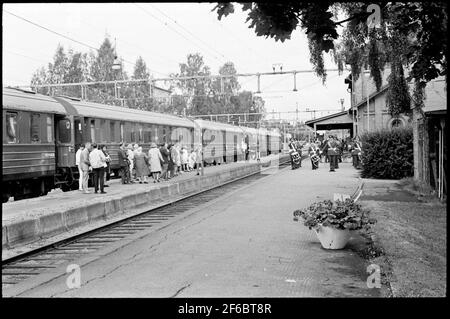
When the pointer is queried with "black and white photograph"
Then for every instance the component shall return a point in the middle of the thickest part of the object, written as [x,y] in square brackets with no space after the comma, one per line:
[198,150]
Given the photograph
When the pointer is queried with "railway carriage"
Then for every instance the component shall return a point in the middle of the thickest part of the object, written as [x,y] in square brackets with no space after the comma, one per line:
[29,152]
[41,135]
[109,125]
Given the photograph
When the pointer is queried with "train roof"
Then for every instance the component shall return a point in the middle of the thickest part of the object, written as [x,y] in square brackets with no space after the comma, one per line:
[22,100]
[218,126]
[97,110]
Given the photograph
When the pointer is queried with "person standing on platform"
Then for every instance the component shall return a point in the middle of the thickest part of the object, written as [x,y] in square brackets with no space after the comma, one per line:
[85,166]
[107,165]
[98,161]
[292,149]
[184,159]
[155,158]
[338,152]
[172,165]
[165,161]
[80,170]
[192,160]
[325,150]
[356,153]
[175,159]
[198,159]
[124,165]
[332,152]
[314,155]
[130,156]
[141,166]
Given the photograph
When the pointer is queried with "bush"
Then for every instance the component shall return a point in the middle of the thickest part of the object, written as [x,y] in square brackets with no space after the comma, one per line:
[388,154]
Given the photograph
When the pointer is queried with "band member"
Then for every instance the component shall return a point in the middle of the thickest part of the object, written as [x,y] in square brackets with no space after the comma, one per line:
[291,146]
[324,150]
[314,153]
[332,152]
[338,152]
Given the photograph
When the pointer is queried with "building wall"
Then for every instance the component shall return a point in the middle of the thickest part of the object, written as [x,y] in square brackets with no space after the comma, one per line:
[379,117]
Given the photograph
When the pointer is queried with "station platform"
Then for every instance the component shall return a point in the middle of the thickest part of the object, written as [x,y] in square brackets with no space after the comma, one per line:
[30,223]
[243,243]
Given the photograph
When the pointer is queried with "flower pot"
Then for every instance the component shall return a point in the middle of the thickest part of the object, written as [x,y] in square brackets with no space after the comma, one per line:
[332,238]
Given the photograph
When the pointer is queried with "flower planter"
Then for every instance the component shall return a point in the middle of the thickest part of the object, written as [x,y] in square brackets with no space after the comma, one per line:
[332,238]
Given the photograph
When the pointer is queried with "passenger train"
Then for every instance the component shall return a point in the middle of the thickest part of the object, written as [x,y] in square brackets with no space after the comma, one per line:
[41,135]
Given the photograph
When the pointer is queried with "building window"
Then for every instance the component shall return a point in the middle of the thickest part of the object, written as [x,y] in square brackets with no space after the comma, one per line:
[396,123]
[35,128]
[49,129]
[11,127]
[102,131]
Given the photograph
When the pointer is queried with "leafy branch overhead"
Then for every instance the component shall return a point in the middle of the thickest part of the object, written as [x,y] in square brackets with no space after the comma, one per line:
[420,27]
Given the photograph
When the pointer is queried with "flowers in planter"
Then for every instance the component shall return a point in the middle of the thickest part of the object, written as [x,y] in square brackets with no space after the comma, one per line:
[337,214]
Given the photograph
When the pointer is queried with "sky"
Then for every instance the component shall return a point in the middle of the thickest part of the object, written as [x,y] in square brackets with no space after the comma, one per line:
[164,34]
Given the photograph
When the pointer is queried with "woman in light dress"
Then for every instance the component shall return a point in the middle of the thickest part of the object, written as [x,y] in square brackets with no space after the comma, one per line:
[154,159]
[192,160]
[184,159]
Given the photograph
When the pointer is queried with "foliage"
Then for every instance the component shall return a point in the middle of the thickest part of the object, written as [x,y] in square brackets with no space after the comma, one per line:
[337,214]
[419,29]
[388,154]
[198,96]
[397,98]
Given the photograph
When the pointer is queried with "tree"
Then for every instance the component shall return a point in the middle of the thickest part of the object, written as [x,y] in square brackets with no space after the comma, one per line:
[59,68]
[420,25]
[197,90]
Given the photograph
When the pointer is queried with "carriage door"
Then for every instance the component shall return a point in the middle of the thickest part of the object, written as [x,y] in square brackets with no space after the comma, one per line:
[65,150]
[78,128]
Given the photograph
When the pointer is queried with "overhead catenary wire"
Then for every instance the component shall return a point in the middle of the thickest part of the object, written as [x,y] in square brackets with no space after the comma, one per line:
[189,32]
[67,37]
[170,27]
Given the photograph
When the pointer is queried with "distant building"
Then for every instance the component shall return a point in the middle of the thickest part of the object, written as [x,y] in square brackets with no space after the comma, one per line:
[430,138]
[429,125]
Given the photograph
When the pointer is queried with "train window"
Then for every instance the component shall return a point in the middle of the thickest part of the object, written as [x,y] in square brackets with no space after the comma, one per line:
[35,127]
[92,131]
[147,135]
[102,131]
[11,127]
[64,131]
[49,129]
[112,130]
[121,133]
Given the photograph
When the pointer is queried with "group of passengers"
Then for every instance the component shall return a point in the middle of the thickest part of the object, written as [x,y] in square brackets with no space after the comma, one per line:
[93,158]
[162,163]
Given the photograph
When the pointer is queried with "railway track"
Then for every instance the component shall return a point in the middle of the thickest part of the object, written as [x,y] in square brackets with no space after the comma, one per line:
[30,264]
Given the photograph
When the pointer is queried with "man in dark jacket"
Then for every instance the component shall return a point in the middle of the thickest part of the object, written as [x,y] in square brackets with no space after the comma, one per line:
[165,163]
[124,165]
[324,150]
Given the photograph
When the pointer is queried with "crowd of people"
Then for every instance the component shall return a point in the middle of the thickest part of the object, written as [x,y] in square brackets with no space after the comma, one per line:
[330,150]
[136,166]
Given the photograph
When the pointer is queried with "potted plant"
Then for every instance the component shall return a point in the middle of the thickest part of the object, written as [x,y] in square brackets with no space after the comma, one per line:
[333,220]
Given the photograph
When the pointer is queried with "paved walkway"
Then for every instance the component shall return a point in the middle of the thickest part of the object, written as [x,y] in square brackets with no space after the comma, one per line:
[242,244]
